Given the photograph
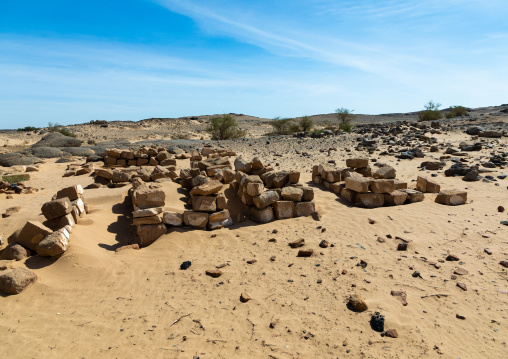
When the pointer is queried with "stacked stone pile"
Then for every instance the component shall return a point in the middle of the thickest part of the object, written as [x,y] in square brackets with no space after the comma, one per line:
[79,170]
[121,177]
[49,239]
[358,184]
[271,195]
[145,156]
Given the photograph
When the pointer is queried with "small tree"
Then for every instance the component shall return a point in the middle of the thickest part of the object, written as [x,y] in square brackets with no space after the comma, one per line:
[346,118]
[224,127]
[306,123]
[281,126]
[431,112]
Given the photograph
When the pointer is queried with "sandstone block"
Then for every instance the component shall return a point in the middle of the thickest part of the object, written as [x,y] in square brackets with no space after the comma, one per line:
[370,200]
[357,162]
[387,172]
[219,219]
[172,218]
[292,194]
[280,179]
[452,197]
[242,165]
[348,194]
[153,162]
[148,198]
[304,209]
[141,161]
[357,184]
[364,171]
[265,199]
[337,187]
[56,208]
[146,220]
[127,155]
[147,212]
[221,202]
[413,195]
[255,189]
[149,233]
[426,185]
[206,189]
[14,281]
[195,219]
[382,186]
[396,198]
[294,177]
[32,233]
[114,152]
[399,184]
[54,244]
[308,194]
[284,209]
[60,222]
[14,251]
[121,162]
[73,192]
[204,203]
[121,176]
[263,215]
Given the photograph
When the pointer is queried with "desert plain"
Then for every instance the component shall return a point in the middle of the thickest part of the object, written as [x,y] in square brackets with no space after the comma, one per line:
[436,272]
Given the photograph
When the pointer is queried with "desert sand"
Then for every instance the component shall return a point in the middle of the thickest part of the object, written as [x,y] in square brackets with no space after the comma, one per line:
[94,302]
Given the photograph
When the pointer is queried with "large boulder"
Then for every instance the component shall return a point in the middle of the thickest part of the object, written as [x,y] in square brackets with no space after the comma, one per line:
[54,244]
[147,198]
[14,281]
[56,139]
[14,251]
[46,152]
[17,159]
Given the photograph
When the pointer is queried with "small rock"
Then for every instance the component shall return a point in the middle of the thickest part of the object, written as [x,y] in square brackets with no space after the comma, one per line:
[252,261]
[458,316]
[381,239]
[500,209]
[377,322]
[416,274]
[214,273]
[401,295]
[14,281]
[185,265]
[357,302]
[392,333]
[460,271]
[452,258]
[462,286]
[488,251]
[272,258]
[402,246]
[298,243]
[324,243]
[244,297]
[504,263]
[10,211]
[307,252]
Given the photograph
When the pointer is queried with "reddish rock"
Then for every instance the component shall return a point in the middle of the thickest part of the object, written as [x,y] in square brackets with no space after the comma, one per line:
[392,333]
[214,273]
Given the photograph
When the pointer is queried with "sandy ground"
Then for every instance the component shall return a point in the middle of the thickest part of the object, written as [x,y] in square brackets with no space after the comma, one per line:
[93,302]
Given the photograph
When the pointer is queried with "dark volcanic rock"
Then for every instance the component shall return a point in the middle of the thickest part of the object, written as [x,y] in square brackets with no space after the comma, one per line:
[15,159]
[46,152]
[56,139]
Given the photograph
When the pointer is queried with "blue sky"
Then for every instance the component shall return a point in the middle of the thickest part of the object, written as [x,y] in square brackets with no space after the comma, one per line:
[76,61]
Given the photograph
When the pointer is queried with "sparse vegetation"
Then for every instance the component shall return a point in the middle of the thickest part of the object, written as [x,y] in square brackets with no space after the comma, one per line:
[306,123]
[15,178]
[182,136]
[283,126]
[55,127]
[28,128]
[224,127]
[346,118]
[456,111]
[431,112]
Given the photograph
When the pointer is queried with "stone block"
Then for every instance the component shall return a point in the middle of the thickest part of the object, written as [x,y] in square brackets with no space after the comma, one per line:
[60,222]
[149,233]
[148,198]
[294,177]
[370,200]
[207,188]
[147,212]
[396,198]
[263,215]
[292,194]
[54,244]
[72,192]
[304,209]
[387,172]
[14,281]
[451,197]
[32,233]
[426,185]
[308,194]
[255,189]
[284,209]
[172,218]
[357,162]
[195,219]
[219,219]
[348,194]
[413,195]
[265,199]
[146,220]
[57,208]
[221,202]
[204,203]
[332,176]
[399,184]
[382,186]
[357,184]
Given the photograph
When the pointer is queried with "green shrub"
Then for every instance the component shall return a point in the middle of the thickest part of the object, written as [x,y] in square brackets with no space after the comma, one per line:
[456,111]
[346,118]
[28,128]
[16,178]
[55,127]
[224,127]
[282,126]
[306,123]
[431,112]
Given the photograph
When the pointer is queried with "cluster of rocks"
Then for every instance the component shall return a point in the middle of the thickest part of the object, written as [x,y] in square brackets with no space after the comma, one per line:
[121,177]
[208,203]
[145,156]
[212,166]
[148,201]
[49,239]
[271,195]
[79,169]
[10,185]
[359,184]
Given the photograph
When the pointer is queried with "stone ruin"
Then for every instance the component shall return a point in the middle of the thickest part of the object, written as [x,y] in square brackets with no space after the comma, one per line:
[48,239]
[357,184]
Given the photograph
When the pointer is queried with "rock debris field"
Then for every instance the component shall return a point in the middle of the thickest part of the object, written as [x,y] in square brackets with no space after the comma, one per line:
[387,242]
